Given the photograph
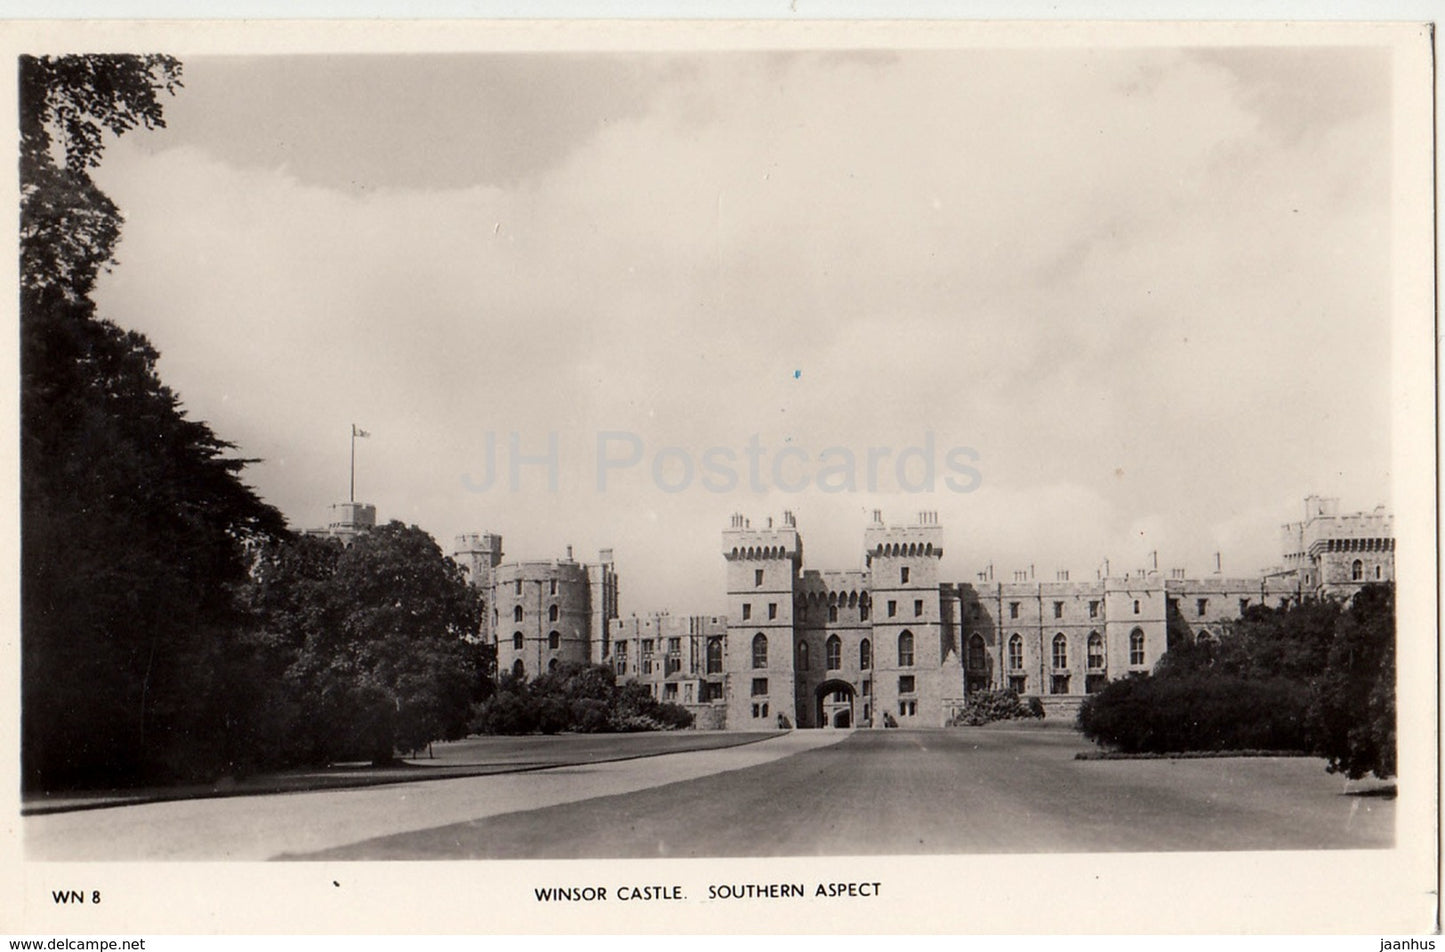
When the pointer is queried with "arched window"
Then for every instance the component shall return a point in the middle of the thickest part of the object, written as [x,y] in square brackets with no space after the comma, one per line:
[1015,653]
[1136,646]
[1096,651]
[552,613]
[1061,651]
[519,670]
[760,650]
[552,665]
[517,641]
[905,650]
[517,613]
[834,653]
[714,655]
[1357,570]
[977,657]
[554,641]
[865,654]
[1377,571]
[802,656]
[1204,637]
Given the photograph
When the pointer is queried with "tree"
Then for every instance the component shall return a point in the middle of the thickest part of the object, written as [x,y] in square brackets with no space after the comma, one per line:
[376,640]
[1316,676]
[134,519]
[1354,704]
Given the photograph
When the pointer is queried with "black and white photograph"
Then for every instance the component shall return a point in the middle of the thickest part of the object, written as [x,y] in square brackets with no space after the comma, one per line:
[419,427]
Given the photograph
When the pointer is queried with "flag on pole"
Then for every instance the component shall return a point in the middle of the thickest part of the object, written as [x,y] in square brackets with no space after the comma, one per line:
[358,432]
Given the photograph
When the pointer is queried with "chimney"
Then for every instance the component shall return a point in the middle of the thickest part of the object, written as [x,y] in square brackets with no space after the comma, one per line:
[878,517]
[569,553]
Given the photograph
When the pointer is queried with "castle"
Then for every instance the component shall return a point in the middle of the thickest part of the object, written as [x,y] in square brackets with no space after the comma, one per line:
[892,642]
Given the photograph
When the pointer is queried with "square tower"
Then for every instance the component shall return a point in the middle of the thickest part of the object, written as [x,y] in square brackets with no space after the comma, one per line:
[909,644]
[763,568]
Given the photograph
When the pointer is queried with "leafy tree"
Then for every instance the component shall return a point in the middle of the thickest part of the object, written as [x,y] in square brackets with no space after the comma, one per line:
[134,521]
[376,642]
[1354,705]
[1316,676]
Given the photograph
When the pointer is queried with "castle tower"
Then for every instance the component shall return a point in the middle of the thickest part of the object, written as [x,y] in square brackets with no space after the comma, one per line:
[912,656]
[763,567]
[602,601]
[479,554]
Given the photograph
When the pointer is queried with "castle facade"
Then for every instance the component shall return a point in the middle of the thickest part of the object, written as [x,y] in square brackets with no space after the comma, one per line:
[892,643]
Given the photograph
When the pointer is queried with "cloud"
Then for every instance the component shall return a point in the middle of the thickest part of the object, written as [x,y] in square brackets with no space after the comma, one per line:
[1147,291]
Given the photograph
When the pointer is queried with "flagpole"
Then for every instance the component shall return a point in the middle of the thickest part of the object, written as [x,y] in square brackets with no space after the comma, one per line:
[353,464]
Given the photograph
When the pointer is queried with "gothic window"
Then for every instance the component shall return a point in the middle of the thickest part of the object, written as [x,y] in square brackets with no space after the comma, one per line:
[1096,651]
[834,653]
[760,650]
[905,650]
[865,654]
[1357,570]
[977,658]
[1136,647]
[1061,651]
[1015,653]
[714,655]
[517,641]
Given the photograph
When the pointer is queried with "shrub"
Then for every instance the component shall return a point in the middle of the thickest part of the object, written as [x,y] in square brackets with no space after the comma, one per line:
[585,698]
[1150,714]
[983,707]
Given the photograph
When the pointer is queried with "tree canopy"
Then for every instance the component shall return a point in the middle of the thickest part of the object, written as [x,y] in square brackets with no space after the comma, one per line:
[1317,676]
[134,519]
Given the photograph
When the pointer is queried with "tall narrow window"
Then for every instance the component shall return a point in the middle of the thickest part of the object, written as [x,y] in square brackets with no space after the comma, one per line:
[834,653]
[519,670]
[1096,651]
[747,611]
[865,654]
[552,587]
[1013,609]
[1357,570]
[553,612]
[832,612]
[517,613]
[1058,609]
[903,575]
[905,650]
[1061,651]
[1136,647]
[772,610]
[892,608]
[918,608]
[517,641]
[1015,653]
[714,655]
[977,655]
[1201,606]
[757,578]
[802,656]
[760,650]
[554,641]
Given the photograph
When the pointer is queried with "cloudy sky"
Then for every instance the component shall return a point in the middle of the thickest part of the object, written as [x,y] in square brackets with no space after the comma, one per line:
[1146,291]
